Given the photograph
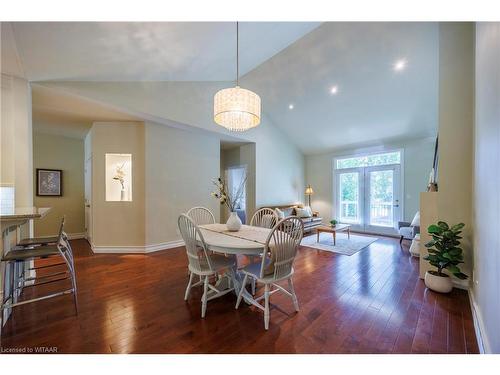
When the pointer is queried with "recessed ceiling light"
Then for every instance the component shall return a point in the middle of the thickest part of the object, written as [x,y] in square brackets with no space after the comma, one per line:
[400,65]
[334,90]
[290,106]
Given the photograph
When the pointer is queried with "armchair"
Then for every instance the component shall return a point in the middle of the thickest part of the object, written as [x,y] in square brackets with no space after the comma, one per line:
[408,230]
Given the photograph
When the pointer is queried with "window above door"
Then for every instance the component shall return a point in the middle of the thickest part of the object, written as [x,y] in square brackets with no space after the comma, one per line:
[370,160]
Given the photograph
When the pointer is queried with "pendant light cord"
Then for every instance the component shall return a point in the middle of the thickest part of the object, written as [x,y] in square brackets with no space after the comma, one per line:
[237,56]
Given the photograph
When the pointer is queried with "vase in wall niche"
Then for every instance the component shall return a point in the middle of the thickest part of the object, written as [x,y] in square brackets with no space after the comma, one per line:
[123,195]
[233,223]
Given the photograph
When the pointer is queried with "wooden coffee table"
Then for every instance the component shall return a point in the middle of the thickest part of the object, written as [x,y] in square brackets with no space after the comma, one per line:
[333,230]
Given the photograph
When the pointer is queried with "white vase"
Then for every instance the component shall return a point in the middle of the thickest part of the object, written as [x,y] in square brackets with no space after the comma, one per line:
[122,195]
[233,223]
[441,284]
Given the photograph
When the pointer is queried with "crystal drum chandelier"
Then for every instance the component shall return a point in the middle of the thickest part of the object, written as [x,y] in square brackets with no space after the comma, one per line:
[235,108]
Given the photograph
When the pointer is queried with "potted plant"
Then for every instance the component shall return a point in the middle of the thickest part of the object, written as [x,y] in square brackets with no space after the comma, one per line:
[444,253]
[333,222]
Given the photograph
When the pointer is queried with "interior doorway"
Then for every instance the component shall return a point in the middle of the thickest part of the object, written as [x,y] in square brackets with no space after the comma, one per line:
[236,184]
[237,164]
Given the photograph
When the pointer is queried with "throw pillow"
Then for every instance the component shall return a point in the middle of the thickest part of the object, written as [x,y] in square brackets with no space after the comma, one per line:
[303,212]
[416,220]
[279,213]
[288,211]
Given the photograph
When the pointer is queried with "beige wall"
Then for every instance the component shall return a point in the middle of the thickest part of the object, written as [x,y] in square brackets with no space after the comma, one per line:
[180,166]
[16,149]
[16,139]
[456,119]
[279,166]
[418,156]
[56,152]
[118,224]
[177,169]
[485,289]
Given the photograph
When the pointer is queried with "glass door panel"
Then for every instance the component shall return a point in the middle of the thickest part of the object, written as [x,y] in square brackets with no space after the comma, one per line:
[349,203]
[382,186]
[381,196]
[368,198]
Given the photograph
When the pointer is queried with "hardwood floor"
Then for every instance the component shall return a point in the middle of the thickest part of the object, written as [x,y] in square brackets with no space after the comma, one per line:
[370,302]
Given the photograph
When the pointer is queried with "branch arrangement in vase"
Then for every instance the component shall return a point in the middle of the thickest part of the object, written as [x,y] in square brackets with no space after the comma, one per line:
[120,175]
[226,197]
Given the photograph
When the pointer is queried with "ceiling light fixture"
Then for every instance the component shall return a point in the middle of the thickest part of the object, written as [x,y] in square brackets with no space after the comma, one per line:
[400,65]
[235,108]
[334,90]
[290,106]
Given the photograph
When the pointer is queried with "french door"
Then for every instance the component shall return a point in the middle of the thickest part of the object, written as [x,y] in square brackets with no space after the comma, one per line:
[368,198]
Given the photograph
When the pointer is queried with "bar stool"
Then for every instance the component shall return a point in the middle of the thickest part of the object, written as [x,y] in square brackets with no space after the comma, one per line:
[40,241]
[63,249]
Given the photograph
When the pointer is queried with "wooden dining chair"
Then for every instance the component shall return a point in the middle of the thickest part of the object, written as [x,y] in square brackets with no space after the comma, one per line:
[264,218]
[276,266]
[201,263]
[201,215]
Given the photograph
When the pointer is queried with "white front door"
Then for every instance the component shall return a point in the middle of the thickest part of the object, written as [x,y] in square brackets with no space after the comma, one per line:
[368,198]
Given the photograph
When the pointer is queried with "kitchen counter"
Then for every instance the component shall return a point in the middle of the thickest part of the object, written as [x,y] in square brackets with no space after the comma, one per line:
[24,213]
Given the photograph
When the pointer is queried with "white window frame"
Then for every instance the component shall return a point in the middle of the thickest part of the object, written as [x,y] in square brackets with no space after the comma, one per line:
[360,155]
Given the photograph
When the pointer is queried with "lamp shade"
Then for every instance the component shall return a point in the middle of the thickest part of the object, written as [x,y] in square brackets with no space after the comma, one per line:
[237,109]
[309,190]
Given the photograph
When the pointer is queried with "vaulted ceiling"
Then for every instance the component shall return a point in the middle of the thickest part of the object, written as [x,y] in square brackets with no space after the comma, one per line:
[149,51]
[285,63]
[374,101]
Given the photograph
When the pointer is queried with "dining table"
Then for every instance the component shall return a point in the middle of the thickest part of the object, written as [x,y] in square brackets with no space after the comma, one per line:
[248,240]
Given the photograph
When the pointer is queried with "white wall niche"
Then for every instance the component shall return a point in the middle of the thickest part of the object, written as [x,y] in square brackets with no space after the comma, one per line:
[118,177]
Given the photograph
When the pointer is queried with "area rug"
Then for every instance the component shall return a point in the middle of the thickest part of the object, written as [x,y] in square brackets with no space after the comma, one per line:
[343,245]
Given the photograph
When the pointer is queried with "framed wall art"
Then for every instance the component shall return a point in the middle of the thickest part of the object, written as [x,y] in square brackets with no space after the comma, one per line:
[48,182]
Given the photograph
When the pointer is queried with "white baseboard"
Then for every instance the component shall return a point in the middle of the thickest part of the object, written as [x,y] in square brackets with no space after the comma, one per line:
[460,284]
[164,246]
[76,236]
[136,249]
[480,329]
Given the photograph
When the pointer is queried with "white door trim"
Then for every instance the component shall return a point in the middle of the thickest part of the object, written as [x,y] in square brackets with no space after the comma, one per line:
[365,152]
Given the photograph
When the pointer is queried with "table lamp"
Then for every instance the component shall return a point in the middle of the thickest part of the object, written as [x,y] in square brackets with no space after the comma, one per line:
[309,192]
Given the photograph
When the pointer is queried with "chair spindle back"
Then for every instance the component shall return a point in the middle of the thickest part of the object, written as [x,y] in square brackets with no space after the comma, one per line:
[281,245]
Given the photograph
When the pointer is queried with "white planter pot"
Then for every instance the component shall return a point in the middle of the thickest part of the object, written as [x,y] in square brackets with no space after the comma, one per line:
[441,284]
[233,223]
